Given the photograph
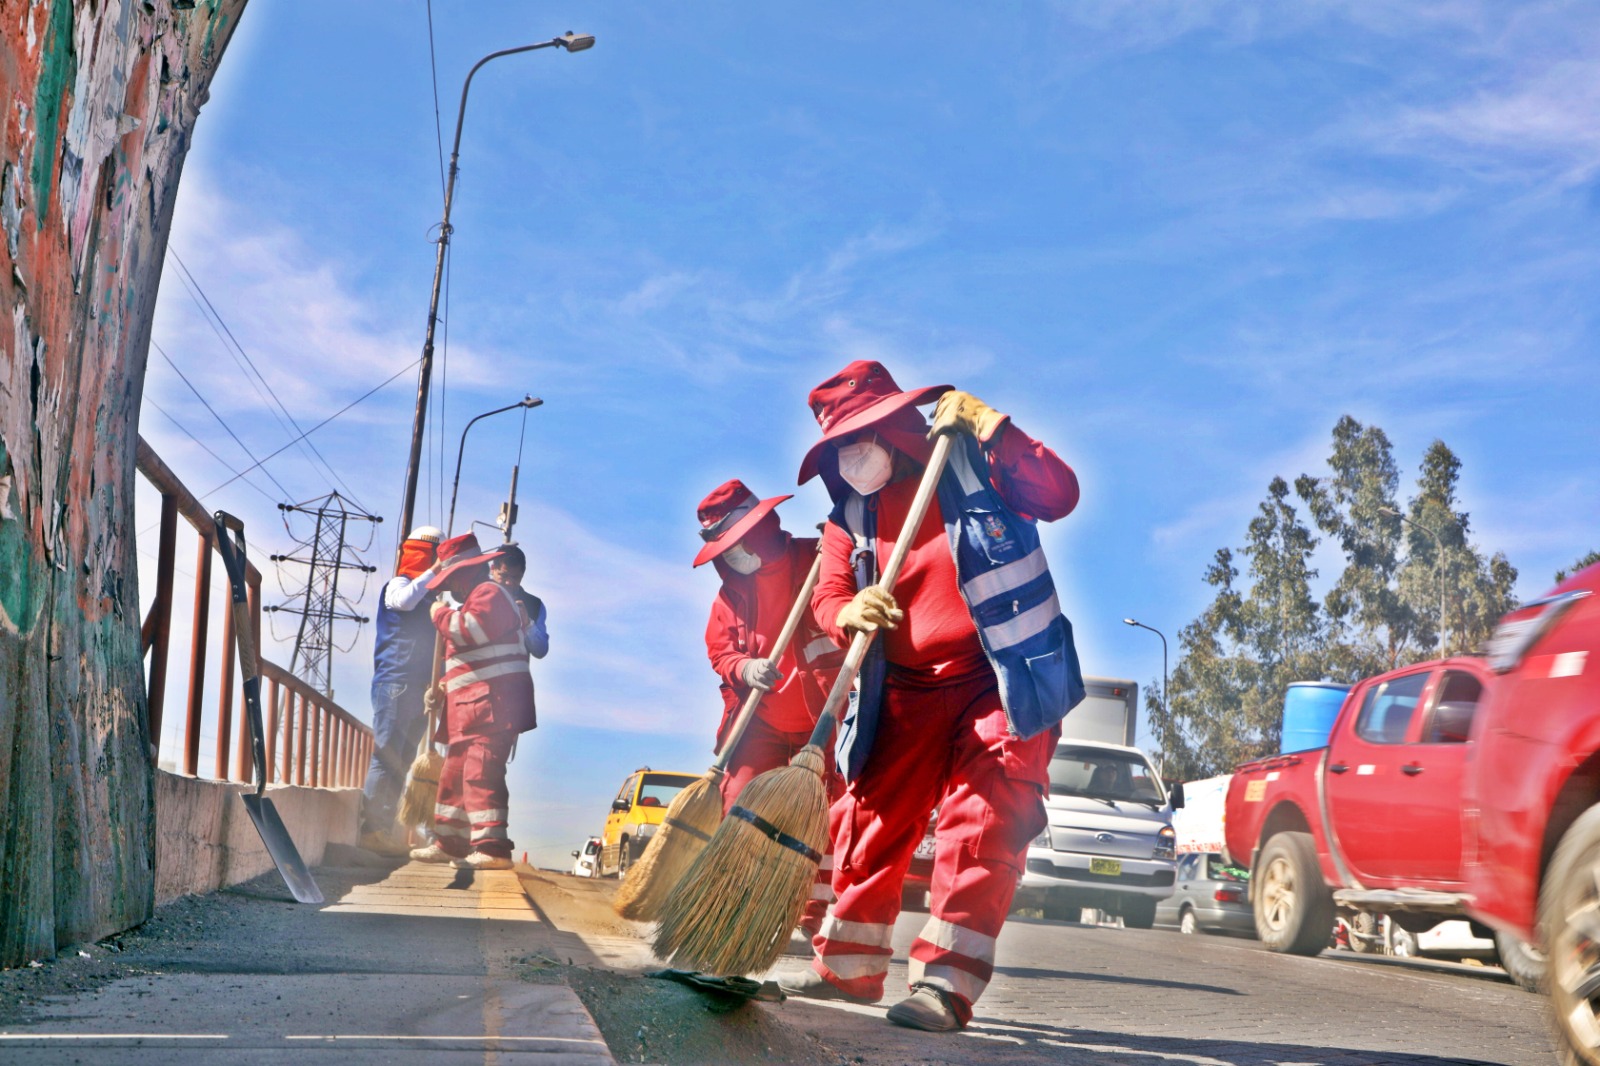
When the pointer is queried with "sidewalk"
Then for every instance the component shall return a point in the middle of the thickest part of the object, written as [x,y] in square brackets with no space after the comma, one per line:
[411,964]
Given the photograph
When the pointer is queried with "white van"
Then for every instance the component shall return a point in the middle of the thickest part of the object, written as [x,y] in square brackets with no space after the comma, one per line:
[1110,843]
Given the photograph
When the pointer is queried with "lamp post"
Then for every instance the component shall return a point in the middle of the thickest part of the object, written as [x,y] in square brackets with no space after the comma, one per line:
[572,42]
[1165,710]
[1438,564]
[526,401]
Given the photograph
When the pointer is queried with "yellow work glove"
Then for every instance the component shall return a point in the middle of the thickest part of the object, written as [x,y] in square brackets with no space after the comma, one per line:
[963,411]
[872,607]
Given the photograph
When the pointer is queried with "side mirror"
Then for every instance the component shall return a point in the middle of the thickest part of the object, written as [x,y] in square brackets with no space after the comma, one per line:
[620,805]
[574,855]
[1175,795]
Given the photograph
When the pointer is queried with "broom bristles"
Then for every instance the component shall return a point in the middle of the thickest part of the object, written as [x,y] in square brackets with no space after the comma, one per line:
[693,816]
[732,912]
[422,789]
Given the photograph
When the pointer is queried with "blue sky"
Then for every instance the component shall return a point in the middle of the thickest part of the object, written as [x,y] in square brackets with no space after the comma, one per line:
[1175,240]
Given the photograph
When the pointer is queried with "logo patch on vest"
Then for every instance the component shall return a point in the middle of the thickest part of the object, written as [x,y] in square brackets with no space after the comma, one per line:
[994,527]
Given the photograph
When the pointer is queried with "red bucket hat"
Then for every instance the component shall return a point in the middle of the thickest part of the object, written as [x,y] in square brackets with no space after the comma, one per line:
[861,396]
[727,515]
[458,552]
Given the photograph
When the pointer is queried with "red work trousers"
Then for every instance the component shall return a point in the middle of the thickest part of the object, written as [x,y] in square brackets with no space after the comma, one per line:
[949,747]
[763,748]
[470,814]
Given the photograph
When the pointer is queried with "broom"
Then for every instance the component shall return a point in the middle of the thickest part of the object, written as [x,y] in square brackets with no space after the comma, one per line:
[731,913]
[696,811]
[422,781]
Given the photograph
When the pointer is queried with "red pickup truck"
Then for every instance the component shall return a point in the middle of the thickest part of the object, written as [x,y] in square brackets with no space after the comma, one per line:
[1466,787]
[1380,821]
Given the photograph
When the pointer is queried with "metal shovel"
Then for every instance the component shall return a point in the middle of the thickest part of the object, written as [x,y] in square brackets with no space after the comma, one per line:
[285,856]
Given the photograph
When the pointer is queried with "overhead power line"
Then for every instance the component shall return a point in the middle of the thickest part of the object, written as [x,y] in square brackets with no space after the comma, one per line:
[273,455]
[252,373]
[220,420]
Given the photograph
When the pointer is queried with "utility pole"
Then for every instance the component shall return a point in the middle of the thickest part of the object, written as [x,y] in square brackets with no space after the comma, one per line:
[321,604]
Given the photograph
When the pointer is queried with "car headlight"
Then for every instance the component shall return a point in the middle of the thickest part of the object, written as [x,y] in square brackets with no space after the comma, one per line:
[1042,840]
[646,829]
[1166,844]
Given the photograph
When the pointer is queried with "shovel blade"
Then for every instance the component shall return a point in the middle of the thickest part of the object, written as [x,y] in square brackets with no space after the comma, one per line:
[285,856]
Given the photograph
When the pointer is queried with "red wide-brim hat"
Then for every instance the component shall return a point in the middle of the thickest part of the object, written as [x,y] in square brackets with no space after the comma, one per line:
[461,552]
[861,396]
[717,507]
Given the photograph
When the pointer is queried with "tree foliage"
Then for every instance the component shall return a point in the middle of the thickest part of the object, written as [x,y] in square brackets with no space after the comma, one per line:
[1587,560]
[1411,583]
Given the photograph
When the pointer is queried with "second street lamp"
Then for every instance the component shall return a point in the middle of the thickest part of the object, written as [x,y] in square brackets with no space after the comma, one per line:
[526,401]
[1166,712]
[571,42]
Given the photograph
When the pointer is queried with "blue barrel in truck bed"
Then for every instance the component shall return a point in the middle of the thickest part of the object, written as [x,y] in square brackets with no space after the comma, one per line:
[1309,708]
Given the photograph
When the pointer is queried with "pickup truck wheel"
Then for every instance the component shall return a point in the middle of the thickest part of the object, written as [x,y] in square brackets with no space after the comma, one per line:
[1294,909]
[1522,962]
[1569,924]
[624,857]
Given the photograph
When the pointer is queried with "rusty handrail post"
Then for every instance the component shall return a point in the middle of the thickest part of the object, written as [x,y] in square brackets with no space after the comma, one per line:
[272,727]
[289,704]
[160,642]
[197,658]
[301,745]
[316,744]
[325,778]
[225,697]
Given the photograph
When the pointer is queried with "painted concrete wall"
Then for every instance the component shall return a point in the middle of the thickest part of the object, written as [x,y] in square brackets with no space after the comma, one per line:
[205,839]
[100,99]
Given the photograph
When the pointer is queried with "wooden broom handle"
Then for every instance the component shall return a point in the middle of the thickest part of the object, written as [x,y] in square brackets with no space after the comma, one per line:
[802,604]
[840,693]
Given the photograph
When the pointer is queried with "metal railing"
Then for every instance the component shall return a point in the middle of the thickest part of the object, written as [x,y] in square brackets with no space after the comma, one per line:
[311,740]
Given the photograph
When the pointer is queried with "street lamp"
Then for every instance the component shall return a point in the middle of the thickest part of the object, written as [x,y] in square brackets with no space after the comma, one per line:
[572,42]
[1438,564]
[528,402]
[1165,709]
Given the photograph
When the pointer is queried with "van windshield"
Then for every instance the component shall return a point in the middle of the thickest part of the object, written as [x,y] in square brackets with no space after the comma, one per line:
[1104,775]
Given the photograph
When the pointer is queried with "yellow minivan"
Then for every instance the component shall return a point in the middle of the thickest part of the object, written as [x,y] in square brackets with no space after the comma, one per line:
[636,814]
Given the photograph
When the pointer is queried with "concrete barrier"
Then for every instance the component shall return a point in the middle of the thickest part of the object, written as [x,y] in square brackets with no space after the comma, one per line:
[205,839]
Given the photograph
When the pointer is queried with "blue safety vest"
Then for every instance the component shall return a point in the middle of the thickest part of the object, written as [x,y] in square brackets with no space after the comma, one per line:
[1007,587]
[402,644]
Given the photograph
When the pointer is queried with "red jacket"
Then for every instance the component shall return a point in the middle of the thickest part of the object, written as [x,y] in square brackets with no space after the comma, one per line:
[487,687]
[937,641]
[746,617]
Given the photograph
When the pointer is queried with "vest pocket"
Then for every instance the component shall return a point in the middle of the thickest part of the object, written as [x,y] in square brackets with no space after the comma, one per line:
[1048,674]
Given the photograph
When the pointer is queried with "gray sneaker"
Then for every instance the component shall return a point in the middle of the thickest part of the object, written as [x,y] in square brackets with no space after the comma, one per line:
[809,984]
[480,861]
[431,853]
[927,1008]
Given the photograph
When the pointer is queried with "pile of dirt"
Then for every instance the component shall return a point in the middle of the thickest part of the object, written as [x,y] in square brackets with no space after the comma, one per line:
[648,1020]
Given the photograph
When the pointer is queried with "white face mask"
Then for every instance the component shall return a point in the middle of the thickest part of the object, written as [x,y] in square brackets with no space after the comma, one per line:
[866,465]
[743,562]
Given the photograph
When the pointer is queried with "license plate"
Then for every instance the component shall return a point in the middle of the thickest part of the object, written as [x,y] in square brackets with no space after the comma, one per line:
[925,849]
[1110,867]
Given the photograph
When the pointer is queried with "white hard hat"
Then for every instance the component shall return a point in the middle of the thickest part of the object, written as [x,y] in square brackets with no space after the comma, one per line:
[431,534]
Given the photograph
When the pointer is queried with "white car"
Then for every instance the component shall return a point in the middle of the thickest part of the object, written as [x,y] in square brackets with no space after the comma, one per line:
[583,861]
